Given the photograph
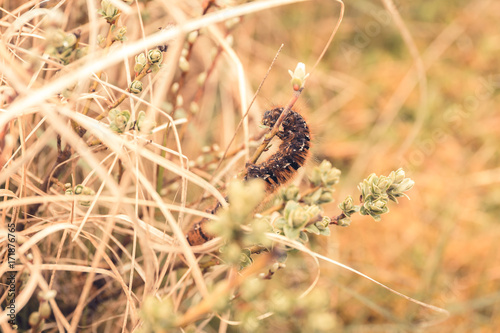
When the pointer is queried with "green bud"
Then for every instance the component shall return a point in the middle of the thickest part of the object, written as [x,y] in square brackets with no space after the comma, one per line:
[384,183]
[377,207]
[321,321]
[101,40]
[120,121]
[158,315]
[325,166]
[345,222]
[405,185]
[324,223]
[120,35]
[325,175]
[136,87]
[299,76]
[303,238]
[364,188]
[179,100]
[325,197]
[315,177]
[191,37]
[69,41]
[232,253]
[290,193]
[183,64]
[245,259]
[259,227]
[88,191]
[138,68]
[278,225]
[79,189]
[249,322]
[34,319]
[291,232]
[141,60]
[109,12]
[155,56]
[313,211]
[48,295]
[202,77]
[280,302]
[399,175]
[244,197]
[221,303]
[314,197]
[45,310]
[112,114]
[251,288]
[347,206]
[143,124]
[56,39]
[194,107]
[83,190]
[312,228]
[155,68]
[298,218]
[213,53]
[174,88]
[230,40]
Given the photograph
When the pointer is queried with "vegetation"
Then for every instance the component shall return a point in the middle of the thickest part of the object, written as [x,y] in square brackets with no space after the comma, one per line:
[122,123]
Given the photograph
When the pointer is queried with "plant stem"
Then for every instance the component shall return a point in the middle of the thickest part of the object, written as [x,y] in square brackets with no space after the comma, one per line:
[274,130]
[120,99]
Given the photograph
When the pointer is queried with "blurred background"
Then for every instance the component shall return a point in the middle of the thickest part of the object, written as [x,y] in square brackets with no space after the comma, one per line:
[418,91]
[374,107]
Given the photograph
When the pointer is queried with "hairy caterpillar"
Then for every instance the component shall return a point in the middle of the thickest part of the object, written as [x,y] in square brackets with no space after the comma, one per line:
[277,169]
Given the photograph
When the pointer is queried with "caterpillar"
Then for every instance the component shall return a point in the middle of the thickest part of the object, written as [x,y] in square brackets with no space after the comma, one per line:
[277,169]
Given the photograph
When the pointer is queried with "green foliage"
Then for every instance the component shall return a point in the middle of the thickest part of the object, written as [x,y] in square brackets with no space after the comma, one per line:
[135,87]
[109,12]
[119,120]
[140,62]
[376,191]
[80,190]
[63,46]
[144,124]
[243,199]
[325,175]
[303,214]
[157,315]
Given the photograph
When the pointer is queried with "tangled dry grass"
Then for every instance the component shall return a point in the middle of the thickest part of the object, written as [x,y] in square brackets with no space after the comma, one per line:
[412,85]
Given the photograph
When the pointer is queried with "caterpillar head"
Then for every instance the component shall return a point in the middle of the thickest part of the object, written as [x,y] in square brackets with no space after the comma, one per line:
[271,116]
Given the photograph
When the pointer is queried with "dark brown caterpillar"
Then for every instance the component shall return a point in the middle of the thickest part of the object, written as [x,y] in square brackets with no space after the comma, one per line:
[276,170]
[292,152]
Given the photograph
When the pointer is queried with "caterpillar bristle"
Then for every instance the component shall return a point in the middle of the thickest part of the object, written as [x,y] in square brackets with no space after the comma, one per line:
[292,152]
[278,169]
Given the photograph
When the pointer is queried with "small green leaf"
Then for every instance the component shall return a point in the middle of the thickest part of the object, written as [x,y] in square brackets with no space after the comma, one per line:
[291,232]
[325,232]
[313,229]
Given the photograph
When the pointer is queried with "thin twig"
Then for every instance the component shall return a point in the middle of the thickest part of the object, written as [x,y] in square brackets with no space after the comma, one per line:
[248,110]
[275,129]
